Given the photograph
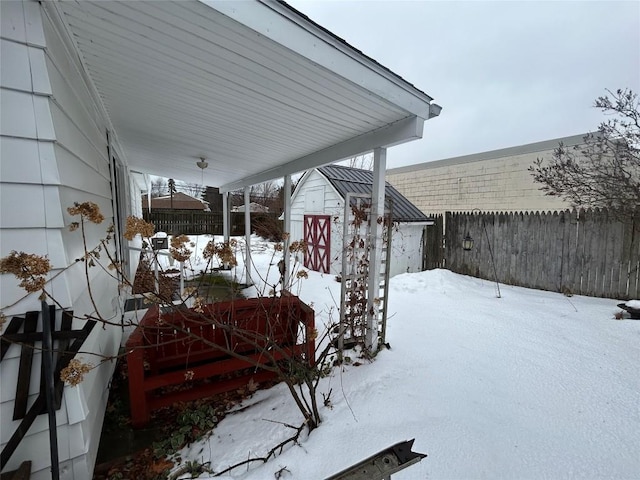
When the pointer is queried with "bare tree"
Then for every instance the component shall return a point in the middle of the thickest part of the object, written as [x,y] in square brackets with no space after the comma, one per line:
[604,171]
[158,187]
[363,162]
[266,194]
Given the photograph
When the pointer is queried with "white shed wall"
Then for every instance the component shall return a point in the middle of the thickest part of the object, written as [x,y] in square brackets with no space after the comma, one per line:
[316,196]
[53,153]
[406,249]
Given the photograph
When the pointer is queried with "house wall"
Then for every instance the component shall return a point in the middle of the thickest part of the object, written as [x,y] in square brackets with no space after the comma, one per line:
[492,181]
[53,148]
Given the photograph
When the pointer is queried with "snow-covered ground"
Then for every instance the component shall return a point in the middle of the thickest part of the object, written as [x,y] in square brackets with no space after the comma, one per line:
[528,386]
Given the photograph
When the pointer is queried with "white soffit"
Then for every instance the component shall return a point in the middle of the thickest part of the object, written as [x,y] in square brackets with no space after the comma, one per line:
[254,87]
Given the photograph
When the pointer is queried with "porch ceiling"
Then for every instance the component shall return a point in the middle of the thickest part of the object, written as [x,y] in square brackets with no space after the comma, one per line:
[255,87]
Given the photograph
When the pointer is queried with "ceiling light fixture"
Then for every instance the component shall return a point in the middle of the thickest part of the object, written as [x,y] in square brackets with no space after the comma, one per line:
[202,164]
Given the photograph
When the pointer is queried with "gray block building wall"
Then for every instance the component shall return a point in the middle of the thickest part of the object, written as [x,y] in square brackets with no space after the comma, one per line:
[497,180]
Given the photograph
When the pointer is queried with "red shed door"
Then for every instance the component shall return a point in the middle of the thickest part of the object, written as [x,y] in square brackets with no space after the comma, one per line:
[317,235]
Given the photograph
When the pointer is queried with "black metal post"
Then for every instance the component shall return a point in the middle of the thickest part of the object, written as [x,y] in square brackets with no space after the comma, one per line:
[47,365]
[495,273]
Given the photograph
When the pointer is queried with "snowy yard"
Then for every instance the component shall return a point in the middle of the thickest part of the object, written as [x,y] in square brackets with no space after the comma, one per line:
[531,385]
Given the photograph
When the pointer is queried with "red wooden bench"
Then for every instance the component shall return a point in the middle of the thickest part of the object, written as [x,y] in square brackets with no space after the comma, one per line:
[184,346]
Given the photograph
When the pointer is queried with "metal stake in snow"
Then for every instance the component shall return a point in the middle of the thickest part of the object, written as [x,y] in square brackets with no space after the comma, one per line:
[381,465]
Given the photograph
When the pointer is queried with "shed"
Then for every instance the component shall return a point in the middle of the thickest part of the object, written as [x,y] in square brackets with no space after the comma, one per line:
[317,216]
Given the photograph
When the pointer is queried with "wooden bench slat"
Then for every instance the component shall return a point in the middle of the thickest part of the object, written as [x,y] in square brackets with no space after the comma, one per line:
[210,389]
[174,343]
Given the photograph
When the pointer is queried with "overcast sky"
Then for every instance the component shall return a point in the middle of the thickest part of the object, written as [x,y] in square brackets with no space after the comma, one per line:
[505,73]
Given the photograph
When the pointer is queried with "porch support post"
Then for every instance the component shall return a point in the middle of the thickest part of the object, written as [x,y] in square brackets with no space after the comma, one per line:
[375,256]
[226,224]
[287,230]
[247,233]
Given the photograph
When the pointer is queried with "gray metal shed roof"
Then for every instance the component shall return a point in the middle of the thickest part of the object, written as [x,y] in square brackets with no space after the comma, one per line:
[355,180]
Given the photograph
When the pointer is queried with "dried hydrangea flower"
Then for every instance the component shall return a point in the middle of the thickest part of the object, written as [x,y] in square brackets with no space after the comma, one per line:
[74,373]
[178,249]
[298,246]
[223,251]
[88,210]
[188,292]
[137,226]
[28,267]
[198,305]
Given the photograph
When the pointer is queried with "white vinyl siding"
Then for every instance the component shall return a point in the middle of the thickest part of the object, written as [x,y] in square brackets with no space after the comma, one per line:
[53,146]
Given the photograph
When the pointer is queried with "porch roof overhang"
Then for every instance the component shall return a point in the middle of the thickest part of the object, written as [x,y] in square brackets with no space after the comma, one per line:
[256,88]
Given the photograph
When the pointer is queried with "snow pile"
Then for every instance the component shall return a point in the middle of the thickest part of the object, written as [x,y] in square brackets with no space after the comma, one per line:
[530,385]
[635,304]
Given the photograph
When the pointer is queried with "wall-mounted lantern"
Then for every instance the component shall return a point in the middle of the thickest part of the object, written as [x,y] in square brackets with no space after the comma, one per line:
[467,243]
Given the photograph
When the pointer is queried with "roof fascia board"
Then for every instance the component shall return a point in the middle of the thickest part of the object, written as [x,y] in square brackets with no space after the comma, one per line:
[282,25]
[300,183]
[402,131]
[422,223]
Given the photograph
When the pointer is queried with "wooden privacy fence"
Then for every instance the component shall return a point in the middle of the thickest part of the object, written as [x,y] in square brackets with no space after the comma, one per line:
[586,252]
[197,222]
[433,245]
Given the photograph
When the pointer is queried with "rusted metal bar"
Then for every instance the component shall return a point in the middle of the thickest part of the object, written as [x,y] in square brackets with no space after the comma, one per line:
[383,464]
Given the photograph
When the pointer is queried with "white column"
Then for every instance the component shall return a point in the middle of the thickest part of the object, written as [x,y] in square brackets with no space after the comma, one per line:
[226,224]
[287,228]
[375,257]
[247,233]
